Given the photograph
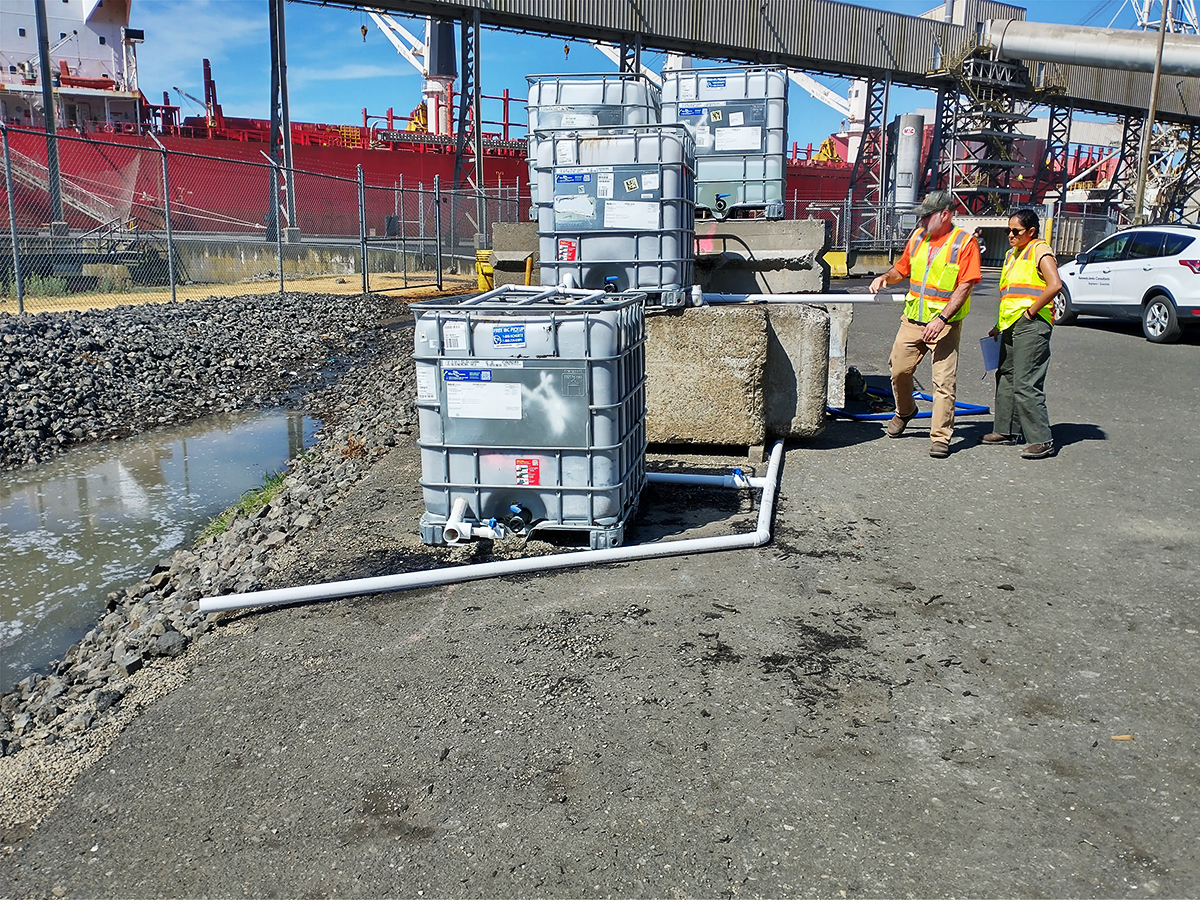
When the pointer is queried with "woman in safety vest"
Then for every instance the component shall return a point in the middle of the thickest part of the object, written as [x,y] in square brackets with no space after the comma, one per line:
[1028,284]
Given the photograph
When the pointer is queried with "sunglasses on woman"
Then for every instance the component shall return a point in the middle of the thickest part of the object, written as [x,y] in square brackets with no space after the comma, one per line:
[1015,231]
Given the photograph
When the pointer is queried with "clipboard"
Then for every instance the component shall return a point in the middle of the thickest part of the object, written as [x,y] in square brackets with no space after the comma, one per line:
[990,347]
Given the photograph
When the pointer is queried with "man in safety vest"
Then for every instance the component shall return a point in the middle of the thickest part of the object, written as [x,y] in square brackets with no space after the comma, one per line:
[941,263]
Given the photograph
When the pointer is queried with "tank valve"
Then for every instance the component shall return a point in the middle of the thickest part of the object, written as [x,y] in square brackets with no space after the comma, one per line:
[520,518]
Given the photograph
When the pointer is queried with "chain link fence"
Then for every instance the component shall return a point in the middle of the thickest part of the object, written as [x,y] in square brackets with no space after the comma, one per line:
[127,220]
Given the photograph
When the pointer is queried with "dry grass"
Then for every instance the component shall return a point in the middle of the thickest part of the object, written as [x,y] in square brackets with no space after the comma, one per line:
[421,286]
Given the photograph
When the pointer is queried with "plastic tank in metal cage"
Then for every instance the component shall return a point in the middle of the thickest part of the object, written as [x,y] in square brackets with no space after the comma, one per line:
[616,210]
[738,118]
[532,406]
[569,102]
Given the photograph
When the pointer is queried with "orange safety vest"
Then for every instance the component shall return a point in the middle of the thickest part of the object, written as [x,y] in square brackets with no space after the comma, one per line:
[932,281]
[1021,283]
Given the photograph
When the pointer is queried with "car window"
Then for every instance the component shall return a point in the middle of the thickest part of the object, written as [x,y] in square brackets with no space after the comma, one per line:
[1176,243]
[1144,245]
[1113,248]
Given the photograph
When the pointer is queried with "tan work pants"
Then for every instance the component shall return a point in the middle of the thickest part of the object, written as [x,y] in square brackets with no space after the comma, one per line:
[907,352]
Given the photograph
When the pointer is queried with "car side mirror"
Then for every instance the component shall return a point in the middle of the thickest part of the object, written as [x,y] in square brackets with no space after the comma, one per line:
[1082,259]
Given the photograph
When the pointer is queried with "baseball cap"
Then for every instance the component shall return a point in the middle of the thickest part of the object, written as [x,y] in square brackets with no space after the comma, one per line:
[935,201]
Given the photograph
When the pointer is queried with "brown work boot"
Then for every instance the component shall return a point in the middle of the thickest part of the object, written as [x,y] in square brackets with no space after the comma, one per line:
[1038,451]
[939,450]
[897,423]
[999,440]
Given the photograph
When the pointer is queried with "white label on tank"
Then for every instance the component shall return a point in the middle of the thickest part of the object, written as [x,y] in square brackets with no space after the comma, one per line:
[564,153]
[574,206]
[486,364]
[604,185]
[579,120]
[454,335]
[631,214]
[483,400]
[737,119]
[748,137]
[650,181]
[687,90]
[426,384]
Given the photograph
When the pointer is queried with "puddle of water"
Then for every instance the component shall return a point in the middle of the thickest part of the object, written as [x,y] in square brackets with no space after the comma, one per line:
[99,518]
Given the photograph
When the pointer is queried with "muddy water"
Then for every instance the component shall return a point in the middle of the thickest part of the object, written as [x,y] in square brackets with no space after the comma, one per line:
[100,517]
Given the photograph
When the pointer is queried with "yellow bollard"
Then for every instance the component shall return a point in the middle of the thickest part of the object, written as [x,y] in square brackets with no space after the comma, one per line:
[483,269]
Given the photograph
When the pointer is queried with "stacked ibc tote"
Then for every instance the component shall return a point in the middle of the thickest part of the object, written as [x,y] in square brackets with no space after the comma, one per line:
[615,204]
[738,119]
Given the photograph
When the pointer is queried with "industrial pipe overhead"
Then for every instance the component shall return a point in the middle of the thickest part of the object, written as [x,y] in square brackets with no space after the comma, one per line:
[1102,48]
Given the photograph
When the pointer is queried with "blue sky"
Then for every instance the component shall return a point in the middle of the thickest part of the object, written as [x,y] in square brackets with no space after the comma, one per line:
[333,73]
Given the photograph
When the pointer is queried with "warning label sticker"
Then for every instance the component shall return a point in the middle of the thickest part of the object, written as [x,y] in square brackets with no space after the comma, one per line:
[529,472]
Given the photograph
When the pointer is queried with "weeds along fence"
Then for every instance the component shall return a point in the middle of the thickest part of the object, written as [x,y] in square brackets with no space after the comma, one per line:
[124,216]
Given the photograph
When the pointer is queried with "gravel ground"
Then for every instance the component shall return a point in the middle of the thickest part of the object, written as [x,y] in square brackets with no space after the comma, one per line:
[966,677]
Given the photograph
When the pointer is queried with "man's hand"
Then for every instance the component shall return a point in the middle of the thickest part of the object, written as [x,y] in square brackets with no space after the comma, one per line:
[932,330]
[879,283]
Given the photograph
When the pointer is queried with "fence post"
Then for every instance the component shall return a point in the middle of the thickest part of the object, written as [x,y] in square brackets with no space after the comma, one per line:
[403,223]
[437,226]
[167,220]
[362,227]
[18,281]
[275,174]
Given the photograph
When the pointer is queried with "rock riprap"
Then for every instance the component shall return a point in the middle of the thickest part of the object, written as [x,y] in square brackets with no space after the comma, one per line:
[145,365]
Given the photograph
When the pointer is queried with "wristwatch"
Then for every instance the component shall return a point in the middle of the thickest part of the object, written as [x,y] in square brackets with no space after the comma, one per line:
[943,318]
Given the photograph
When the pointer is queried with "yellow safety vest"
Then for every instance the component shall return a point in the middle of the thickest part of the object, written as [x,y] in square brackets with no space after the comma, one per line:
[1021,284]
[932,282]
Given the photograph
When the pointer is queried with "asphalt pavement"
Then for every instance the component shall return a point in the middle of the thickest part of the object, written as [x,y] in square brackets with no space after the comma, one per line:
[963,677]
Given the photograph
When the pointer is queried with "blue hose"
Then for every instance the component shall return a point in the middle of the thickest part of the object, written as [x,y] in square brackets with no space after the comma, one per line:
[960,409]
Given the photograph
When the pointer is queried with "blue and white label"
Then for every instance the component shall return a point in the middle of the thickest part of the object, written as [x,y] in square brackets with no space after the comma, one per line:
[508,336]
[467,374]
[714,82]
[573,178]
[691,111]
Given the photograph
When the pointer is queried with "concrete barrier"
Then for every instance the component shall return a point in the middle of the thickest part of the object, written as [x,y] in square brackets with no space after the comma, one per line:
[749,256]
[705,373]
[512,244]
[738,375]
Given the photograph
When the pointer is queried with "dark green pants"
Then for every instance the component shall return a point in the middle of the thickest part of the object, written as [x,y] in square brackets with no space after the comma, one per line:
[1021,380]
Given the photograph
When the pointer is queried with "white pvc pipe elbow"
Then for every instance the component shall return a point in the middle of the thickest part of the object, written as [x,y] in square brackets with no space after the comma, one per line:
[454,531]
[458,574]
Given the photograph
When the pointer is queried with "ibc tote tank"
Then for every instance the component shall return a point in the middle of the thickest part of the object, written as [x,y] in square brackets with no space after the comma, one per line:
[567,102]
[616,209]
[738,118]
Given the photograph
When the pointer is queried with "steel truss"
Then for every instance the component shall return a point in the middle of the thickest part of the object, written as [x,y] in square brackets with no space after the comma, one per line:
[996,97]
[1118,192]
[468,157]
[868,194]
[1050,182]
[1181,195]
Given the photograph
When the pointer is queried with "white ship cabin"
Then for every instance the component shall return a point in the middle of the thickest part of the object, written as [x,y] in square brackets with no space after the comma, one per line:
[93,65]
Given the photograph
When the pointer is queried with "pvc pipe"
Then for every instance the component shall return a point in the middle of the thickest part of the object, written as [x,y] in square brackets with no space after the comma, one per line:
[452,531]
[720,299]
[736,480]
[458,574]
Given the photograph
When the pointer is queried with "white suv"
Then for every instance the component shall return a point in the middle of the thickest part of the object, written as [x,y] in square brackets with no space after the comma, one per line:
[1151,272]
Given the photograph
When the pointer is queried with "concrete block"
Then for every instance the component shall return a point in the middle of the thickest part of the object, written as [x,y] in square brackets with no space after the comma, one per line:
[748,256]
[512,244]
[705,372]
[797,376]
[841,315]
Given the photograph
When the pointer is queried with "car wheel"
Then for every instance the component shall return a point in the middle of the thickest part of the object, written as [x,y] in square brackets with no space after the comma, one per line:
[1064,312]
[1159,323]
